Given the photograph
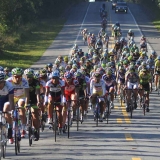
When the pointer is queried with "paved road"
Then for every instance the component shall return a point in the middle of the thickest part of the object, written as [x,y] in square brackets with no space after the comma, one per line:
[123,138]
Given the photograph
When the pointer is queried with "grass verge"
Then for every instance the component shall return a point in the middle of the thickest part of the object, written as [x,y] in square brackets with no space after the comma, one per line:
[33,44]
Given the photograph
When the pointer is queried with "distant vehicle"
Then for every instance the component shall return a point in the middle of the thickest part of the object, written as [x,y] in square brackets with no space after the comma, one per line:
[121,7]
[114,3]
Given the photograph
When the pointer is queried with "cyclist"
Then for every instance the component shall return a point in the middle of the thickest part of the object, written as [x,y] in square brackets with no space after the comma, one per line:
[7,72]
[157,71]
[21,94]
[49,68]
[82,92]
[110,84]
[131,81]
[146,84]
[98,88]
[130,34]
[34,96]
[71,92]
[55,93]
[7,102]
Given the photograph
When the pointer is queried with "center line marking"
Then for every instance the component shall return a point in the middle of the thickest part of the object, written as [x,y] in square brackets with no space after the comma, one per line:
[136,158]
[128,137]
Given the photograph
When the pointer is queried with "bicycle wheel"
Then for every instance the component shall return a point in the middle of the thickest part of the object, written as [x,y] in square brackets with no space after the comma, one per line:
[55,125]
[131,109]
[15,139]
[18,145]
[30,135]
[68,122]
[77,117]
[108,111]
[97,116]
[144,109]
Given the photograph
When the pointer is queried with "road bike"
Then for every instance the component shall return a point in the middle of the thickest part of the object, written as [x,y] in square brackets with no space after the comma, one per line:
[16,128]
[3,134]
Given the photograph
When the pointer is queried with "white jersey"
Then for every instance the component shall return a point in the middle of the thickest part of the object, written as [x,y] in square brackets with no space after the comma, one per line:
[19,88]
[98,88]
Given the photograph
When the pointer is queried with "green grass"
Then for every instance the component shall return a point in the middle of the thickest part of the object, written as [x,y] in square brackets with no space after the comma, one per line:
[32,44]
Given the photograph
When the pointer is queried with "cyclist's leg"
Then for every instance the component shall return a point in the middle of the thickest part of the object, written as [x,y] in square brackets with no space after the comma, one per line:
[74,104]
[156,80]
[22,116]
[50,109]
[36,121]
[8,118]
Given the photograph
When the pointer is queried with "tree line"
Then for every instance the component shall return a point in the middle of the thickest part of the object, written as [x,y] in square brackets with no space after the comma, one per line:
[16,13]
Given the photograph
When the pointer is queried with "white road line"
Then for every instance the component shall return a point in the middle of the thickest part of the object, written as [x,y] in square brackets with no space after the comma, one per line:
[148,45]
[80,29]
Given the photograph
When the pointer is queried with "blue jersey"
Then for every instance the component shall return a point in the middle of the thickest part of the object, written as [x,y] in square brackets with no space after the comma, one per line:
[4,94]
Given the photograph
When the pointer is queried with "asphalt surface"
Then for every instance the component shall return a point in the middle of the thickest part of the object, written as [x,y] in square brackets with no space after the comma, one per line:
[123,138]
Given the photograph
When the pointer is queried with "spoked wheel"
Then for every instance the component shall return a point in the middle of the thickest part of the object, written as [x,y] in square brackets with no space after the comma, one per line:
[18,146]
[97,116]
[68,127]
[16,142]
[30,136]
[131,109]
[55,125]
[77,118]
[144,109]
[108,111]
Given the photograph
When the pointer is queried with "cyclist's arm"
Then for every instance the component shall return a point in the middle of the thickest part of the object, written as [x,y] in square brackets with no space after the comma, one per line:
[104,88]
[11,101]
[38,93]
[26,90]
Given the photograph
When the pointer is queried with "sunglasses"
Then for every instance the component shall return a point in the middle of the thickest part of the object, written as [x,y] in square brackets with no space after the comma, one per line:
[17,76]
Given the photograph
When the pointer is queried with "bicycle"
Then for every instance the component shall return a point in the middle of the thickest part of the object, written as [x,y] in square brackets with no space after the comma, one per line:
[85,38]
[97,110]
[79,113]
[29,124]
[3,135]
[143,104]
[107,114]
[131,103]
[16,128]
[69,116]
[54,125]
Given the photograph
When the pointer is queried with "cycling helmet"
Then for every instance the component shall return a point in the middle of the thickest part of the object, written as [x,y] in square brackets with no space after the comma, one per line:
[2,75]
[77,74]
[105,54]
[79,50]
[144,69]
[66,58]
[61,68]
[50,65]
[36,75]
[96,74]
[55,75]
[57,62]
[129,31]
[70,63]
[1,68]
[158,57]
[29,72]
[108,72]
[100,70]
[121,68]
[42,73]
[103,65]
[131,69]
[17,71]
[74,66]
[144,64]
[153,52]
[138,63]
[6,69]
[68,75]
